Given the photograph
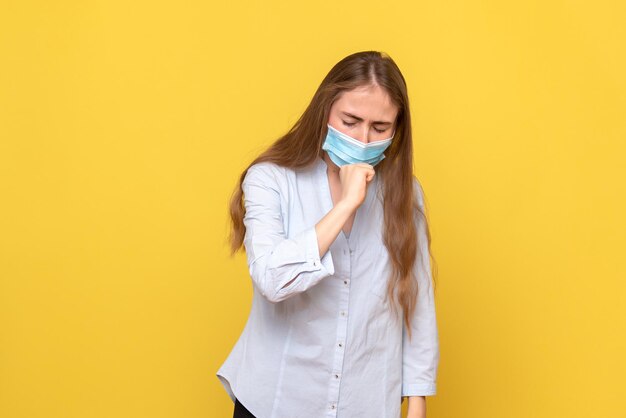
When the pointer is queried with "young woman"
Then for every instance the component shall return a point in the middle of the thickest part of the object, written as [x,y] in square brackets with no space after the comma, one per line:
[332,219]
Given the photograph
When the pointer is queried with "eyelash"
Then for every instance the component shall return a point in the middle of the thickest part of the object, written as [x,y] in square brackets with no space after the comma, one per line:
[354,123]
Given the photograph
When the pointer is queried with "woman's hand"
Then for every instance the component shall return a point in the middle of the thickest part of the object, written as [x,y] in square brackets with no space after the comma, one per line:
[417,407]
[354,179]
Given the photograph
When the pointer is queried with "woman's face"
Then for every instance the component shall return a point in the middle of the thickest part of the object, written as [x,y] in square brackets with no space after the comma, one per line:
[365,113]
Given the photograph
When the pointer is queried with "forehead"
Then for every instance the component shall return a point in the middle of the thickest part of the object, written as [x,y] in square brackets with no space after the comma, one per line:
[367,102]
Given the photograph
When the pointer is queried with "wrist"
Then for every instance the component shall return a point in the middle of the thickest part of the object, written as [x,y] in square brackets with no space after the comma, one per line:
[416,407]
[347,206]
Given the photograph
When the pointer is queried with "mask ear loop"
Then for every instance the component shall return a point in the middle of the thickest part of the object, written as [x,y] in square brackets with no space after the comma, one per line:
[394,133]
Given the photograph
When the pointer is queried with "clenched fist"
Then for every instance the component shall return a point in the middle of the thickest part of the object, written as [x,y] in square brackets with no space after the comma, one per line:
[354,180]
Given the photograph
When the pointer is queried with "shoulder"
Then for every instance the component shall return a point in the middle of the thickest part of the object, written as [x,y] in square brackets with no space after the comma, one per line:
[264,172]
[269,176]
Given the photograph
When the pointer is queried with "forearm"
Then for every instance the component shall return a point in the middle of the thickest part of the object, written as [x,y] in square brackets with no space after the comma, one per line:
[329,226]
[417,407]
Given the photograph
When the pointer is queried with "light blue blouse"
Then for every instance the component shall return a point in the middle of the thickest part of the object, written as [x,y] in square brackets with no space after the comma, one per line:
[325,345]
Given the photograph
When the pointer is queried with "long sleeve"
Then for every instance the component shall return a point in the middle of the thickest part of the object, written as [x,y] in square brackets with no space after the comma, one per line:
[273,259]
[420,356]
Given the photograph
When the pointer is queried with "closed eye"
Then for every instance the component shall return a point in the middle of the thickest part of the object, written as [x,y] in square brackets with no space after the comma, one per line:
[354,123]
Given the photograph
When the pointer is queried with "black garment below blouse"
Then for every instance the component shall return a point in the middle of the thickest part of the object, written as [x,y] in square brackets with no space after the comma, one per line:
[241,411]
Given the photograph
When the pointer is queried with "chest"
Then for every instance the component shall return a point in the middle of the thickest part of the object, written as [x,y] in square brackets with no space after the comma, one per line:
[336,190]
[306,197]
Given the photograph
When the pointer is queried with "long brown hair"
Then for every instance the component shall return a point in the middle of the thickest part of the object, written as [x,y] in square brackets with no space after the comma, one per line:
[301,146]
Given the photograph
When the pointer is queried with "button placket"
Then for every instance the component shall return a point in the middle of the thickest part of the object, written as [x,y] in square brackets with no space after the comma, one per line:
[342,325]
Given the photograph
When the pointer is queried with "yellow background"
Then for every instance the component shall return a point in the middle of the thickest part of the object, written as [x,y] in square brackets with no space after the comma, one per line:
[124,125]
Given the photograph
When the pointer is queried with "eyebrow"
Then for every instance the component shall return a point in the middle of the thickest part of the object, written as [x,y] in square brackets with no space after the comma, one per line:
[378,122]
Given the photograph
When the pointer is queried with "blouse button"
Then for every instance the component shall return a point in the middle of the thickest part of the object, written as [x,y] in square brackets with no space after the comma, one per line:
[345,282]
[340,345]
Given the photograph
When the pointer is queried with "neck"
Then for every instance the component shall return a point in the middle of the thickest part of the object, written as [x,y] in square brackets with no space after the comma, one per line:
[331,166]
